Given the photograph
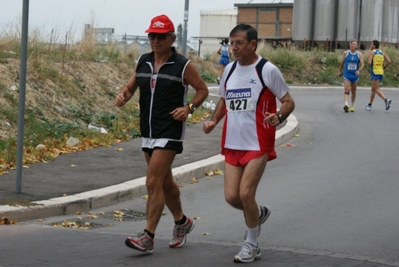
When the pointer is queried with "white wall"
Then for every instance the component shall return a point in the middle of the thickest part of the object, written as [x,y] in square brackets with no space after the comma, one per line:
[215,25]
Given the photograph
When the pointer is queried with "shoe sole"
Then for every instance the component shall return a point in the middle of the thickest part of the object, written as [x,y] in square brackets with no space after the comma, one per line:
[366,107]
[257,257]
[129,244]
[185,237]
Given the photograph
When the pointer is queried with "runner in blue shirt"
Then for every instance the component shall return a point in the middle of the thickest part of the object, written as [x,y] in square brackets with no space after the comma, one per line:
[351,65]
[225,55]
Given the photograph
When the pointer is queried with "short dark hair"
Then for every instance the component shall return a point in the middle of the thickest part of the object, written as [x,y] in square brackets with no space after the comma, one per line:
[376,43]
[226,41]
[250,32]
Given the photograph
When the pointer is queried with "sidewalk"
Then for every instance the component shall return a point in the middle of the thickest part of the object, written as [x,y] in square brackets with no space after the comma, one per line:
[103,176]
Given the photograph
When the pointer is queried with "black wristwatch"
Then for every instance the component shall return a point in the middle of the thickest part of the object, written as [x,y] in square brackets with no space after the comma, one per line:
[280,118]
[192,107]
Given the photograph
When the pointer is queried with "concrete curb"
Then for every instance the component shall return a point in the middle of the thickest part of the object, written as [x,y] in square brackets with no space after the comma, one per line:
[124,191]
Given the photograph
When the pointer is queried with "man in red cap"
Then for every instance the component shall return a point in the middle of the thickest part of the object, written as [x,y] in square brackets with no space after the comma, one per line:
[163,77]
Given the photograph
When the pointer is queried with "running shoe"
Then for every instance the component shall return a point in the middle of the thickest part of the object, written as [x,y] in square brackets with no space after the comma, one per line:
[367,106]
[352,109]
[180,233]
[142,242]
[346,108]
[264,215]
[218,80]
[388,104]
[248,253]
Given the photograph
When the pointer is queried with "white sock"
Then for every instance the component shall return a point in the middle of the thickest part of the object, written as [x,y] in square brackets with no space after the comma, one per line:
[252,236]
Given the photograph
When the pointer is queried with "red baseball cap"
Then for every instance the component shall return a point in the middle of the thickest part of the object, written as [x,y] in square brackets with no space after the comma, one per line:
[161,24]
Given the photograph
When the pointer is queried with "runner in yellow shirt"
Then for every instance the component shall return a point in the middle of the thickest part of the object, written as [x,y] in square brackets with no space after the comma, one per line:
[377,61]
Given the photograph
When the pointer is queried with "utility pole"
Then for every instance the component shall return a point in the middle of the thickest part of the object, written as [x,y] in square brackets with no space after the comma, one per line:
[22,87]
[184,45]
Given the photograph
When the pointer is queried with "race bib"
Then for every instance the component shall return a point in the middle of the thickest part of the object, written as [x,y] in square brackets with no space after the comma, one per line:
[352,66]
[239,100]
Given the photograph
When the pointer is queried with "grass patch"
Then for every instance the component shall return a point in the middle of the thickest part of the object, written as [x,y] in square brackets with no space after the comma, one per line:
[20,202]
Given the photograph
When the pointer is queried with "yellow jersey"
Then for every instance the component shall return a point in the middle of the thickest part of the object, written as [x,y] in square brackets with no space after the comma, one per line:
[377,66]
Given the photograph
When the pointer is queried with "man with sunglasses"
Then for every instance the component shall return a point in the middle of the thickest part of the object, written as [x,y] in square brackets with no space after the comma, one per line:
[248,91]
[163,77]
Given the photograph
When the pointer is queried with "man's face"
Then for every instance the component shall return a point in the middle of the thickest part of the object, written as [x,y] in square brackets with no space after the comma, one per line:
[160,42]
[353,45]
[240,46]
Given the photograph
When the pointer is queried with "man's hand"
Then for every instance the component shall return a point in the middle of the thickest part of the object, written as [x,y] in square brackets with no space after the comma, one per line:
[271,118]
[208,126]
[180,114]
[121,99]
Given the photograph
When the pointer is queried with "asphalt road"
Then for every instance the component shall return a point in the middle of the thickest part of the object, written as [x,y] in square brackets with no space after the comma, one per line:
[332,193]
[337,189]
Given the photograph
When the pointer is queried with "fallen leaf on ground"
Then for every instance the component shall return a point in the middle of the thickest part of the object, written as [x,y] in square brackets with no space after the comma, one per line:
[6,221]
[209,173]
[118,212]
[218,172]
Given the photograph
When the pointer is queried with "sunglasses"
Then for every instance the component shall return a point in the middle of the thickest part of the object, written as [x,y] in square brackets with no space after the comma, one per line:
[160,36]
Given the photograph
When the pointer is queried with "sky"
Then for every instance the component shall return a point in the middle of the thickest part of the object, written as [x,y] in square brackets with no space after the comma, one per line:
[130,17]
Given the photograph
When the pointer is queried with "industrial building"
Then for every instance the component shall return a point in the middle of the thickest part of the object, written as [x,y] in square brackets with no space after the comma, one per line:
[307,23]
[340,21]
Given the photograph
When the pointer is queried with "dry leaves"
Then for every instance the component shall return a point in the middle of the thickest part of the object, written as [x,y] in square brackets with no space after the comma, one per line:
[6,221]
[214,172]
[118,215]
[193,180]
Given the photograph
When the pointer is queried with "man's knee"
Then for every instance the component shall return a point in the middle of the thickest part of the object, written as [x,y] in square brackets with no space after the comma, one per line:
[233,200]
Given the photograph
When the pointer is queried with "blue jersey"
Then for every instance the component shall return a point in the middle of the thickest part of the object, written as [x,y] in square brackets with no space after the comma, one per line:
[224,51]
[351,65]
